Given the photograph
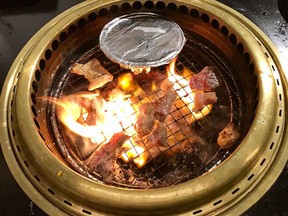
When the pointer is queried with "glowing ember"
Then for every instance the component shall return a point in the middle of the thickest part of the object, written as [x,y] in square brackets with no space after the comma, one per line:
[134,152]
[127,84]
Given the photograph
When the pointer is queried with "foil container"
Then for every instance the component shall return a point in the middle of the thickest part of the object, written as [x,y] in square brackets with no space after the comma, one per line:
[139,41]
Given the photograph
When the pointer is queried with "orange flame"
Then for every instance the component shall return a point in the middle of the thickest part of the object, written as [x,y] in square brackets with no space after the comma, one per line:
[127,84]
[181,86]
[134,152]
[112,115]
[70,109]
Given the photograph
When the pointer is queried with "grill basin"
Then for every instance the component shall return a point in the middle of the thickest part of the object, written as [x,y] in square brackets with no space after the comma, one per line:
[182,125]
[36,162]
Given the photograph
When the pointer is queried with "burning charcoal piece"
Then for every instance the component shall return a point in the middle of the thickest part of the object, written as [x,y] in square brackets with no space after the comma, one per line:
[163,105]
[201,99]
[94,73]
[228,136]
[103,160]
[146,119]
[206,80]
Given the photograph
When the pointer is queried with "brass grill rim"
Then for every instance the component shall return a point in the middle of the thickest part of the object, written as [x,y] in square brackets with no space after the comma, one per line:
[276,157]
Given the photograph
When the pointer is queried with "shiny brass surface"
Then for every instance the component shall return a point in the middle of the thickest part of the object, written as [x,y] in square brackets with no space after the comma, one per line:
[226,189]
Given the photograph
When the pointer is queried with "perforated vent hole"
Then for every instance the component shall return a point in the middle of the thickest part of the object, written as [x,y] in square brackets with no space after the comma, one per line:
[235,191]
[36,123]
[37,178]
[125,6]
[277,129]
[72,29]
[63,36]
[18,148]
[48,54]
[247,57]
[103,12]
[55,45]
[217,203]
[194,13]
[42,64]
[160,5]
[205,18]
[137,5]
[26,163]
[67,202]
[113,9]
[41,135]
[250,177]
[262,162]
[183,9]
[51,191]
[197,212]
[172,7]
[33,98]
[34,86]
[86,212]
[37,75]
[224,30]
[233,39]
[81,22]
[240,48]
[34,111]
[215,24]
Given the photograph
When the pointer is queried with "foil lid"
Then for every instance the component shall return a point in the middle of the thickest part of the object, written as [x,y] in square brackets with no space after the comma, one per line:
[139,41]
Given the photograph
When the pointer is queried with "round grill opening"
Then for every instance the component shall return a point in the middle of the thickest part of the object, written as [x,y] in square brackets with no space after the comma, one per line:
[192,137]
[245,65]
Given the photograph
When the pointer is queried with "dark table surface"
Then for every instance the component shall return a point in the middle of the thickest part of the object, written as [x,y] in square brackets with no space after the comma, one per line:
[20,20]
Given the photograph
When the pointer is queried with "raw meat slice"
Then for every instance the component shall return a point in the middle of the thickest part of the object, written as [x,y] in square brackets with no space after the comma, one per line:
[146,119]
[163,105]
[158,135]
[104,158]
[201,99]
[206,80]
[94,73]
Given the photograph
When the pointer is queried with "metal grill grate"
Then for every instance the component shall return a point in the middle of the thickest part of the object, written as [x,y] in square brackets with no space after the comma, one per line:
[191,136]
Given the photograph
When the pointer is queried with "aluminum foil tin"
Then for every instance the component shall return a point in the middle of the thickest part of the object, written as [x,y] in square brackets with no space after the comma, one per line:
[139,41]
